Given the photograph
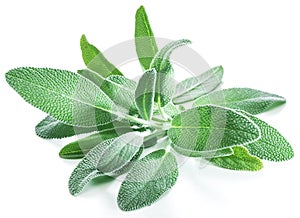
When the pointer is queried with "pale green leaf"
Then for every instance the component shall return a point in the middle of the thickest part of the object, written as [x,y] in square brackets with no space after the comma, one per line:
[208,128]
[118,88]
[165,84]
[66,96]
[194,87]
[145,43]
[240,160]
[171,110]
[50,128]
[272,145]
[205,154]
[250,100]
[79,148]
[95,60]
[144,94]
[121,91]
[106,158]
[148,180]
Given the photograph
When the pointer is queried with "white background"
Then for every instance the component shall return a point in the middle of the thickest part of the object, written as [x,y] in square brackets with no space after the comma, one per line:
[258,44]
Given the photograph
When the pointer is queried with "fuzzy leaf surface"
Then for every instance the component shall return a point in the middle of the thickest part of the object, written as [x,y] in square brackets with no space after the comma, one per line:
[250,100]
[148,180]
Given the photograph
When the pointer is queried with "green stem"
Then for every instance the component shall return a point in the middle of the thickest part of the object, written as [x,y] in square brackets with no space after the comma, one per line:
[155,134]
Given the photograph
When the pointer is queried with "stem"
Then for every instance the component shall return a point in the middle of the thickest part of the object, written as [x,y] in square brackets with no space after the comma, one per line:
[136,119]
[155,134]
[158,120]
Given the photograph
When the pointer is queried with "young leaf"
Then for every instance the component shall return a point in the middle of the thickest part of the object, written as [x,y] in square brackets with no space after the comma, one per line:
[205,154]
[99,162]
[66,96]
[95,60]
[171,110]
[240,160]
[120,90]
[194,87]
[144,94]
[208,128]
[272,145]
[145,43]
[165,85]
[148,180]
[78,149]
[250,100]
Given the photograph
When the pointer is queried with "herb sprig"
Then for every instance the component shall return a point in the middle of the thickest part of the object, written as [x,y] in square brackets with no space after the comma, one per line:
[125,118]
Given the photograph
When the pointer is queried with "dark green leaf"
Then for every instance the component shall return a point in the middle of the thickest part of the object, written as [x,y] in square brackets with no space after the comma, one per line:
[146,47]
[194,87]
[165,84]
[95,60]
[250,100]
[272,145]
[144,94]
[240,160]
[207,128]
[148,180]
[105,159]
[66,96]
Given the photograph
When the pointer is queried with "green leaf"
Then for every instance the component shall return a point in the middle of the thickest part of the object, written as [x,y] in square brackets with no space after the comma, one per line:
[105,159]
[272,145]
[79,148]
[240,160]
[205,154]
[145,43]
[118,88]
[148,180]
[93,76]
[171,110]
[194,87]
[50,128]
[95,60]
[121,91]
[250,100]
[144,94]
[165,85]
[66,96]
[208,128]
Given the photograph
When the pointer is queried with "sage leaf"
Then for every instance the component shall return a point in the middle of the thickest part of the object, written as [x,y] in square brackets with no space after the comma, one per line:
[250,100]
[272,146]
[118,88]
[66,96]
[105,159]
[205,154]
[50,128]
[79,148]
[144,94]
[171,110]
[93,76]
[165,85]
[121,91]
[194,87]
[145,43]
[148,180]
[95,60]
[207,128]
[240,160]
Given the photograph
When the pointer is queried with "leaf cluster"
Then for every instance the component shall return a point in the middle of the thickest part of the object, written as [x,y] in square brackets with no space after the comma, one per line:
[125,117]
